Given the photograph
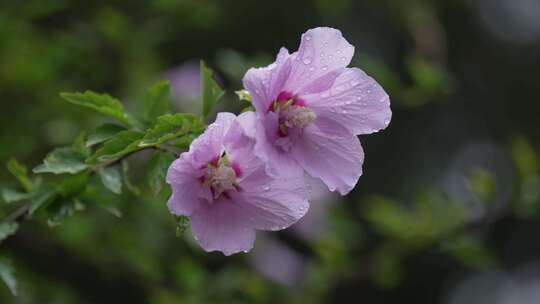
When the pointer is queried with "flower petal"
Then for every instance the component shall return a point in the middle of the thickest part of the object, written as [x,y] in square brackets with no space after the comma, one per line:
[210,143]
[355,100]
[186,188]
[264,84]
[221,227]
[330,152]
[322,50]
[278,161]
[272,203]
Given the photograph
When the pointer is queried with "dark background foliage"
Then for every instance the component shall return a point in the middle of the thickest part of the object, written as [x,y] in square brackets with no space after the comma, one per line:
[447,210]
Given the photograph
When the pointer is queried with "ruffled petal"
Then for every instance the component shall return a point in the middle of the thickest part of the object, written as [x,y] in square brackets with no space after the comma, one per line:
[355,101]
[186,188]
[272,203]
[210,144]
[322,51]
[330,152]
[264,84]
[222,227]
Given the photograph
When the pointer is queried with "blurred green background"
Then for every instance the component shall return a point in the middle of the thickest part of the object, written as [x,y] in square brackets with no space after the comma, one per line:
[448,209]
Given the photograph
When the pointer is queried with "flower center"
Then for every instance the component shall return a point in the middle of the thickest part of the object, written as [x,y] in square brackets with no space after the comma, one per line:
[292,112]
[220,176]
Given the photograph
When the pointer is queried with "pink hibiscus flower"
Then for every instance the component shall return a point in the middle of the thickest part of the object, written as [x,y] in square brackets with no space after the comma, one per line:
[310,107]
[225,191]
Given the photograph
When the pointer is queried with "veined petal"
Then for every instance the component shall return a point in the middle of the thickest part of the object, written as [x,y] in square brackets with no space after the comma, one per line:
[186,189]
[264,84]
[222,227]
[210,144]
[273,204]
[322,50]
[330,152]
[355,101]
[278,162]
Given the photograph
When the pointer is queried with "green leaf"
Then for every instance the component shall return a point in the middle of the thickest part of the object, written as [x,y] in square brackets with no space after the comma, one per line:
[211,92]
[102,103]
[156,102]
[157,171]
[182,223]
[111,179]
[171,126]
[79,144]
[42,198]
[62,160]
[7,229]
[63,209]
[6,274]
[125,173]
[102,133]
[73,185]
[123,143]
[11,195]
[21,173]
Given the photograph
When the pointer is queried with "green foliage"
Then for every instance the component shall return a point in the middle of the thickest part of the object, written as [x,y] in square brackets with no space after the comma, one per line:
[211,91]
[7,275]
[20,172]
[172,126]
[111,179]
[157,171]
[7,229]
[156,102]
[11,195]
[103,133]
[102,103]
[182,223]
[54,198]
[431,217]
[62,160]
[121,144]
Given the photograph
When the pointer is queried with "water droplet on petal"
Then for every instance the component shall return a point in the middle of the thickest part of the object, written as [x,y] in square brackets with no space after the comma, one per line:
[266,188]
[308,37]
[325,68]
[386,121]
[307,60]
[338,51]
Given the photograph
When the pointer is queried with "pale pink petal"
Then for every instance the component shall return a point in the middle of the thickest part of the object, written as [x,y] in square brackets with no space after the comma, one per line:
[186,188]
[278,161]
[222,227]
[355,101]
[209,145]
[272,203]
[264,84]
[330,152]
[322,50]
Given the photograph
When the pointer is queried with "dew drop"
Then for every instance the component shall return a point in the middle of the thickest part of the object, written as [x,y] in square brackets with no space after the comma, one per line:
[307,60]
[330,56]
[338,51]
[312,69]
[266,188]
[343,58]
[325,68]
[308,37]
[386,121]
